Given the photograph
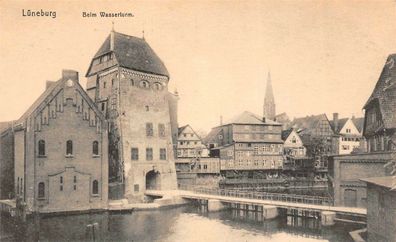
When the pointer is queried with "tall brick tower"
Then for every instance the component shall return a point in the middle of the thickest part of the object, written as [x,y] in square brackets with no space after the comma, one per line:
[269,101]
[129,83]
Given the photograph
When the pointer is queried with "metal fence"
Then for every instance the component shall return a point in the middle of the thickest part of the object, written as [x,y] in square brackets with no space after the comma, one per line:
[292,198]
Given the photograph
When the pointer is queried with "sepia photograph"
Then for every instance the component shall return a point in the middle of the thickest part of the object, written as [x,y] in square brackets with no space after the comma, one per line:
[198,120]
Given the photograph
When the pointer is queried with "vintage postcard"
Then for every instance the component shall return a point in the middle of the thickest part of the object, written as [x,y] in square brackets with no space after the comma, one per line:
[190,121]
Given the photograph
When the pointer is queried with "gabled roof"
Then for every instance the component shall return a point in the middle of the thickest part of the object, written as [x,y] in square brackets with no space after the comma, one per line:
[341,123]
[133,53]
[250,118]
[52,90]
[282,117]
[385,93]
[180,129]
[307,124]
[286,133]
[359,122]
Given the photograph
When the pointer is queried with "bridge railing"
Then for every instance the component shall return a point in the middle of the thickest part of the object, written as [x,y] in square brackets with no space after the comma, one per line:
[292,198]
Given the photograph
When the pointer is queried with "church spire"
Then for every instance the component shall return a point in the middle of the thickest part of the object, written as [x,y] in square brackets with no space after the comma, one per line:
[269,100]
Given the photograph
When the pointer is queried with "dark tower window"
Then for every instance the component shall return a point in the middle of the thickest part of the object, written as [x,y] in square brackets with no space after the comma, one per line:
[95,148]
[41,190]
[104,84]
[149,153]
[162,154]
[149,129]
[134,153]
[112,82]
[147,108]
[132,82]
[103,106]
[161,130]
[41,148]
[144,84]
[69,147]
[95,187]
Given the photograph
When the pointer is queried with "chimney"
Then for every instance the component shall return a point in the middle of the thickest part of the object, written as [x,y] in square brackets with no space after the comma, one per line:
[48,84]
[221,120]
[335,121]
[70,74]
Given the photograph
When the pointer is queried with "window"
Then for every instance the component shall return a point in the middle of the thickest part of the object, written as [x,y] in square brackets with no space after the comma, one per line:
[41,148]
[348,130]
[134,153]
[95,187]
[161,130]
[61,179]
[149,153]
[149,129]
[132,82]
[136,187]
[294,140]
[162,154]
[75,179]
[69,147]
[157,86]
[144,84]
[41,190]
[103,106]
[61,183]
[112,82]
[147,108]
[104,84]
[95,148]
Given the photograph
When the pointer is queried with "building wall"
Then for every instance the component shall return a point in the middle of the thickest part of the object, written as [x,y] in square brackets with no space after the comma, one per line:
[381,214]
[137,107]
[190,145]
[19,176]
[345,172]
[68,124]
[7,164]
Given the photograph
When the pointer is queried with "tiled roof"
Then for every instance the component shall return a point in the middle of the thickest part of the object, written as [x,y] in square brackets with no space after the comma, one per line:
[385,93]
[250,118]
[359,122]
[307,124]
[180,129]
[134,53]
[341,123]
[286,133]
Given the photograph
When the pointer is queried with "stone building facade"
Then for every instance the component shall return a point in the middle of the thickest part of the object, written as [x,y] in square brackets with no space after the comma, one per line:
[60,150]
[129,83]
[381,209]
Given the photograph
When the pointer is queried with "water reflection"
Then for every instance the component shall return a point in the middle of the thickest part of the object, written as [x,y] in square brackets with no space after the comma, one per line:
[191,223]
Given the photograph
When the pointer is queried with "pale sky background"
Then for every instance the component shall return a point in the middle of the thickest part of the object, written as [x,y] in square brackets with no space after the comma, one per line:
[324,56]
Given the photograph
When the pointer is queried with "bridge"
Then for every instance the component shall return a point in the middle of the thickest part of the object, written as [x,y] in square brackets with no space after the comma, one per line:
[265,203]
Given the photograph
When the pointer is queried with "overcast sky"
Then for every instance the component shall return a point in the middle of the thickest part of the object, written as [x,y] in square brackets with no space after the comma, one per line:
[324,56]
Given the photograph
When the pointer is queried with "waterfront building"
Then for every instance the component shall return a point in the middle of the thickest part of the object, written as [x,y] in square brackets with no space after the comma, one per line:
[345,171]
[58,150]
[381,209]
[269,108]
[249,148]
[129,84]
[189,144]
[193,164]
[296,162]
[347,135]
[316,134]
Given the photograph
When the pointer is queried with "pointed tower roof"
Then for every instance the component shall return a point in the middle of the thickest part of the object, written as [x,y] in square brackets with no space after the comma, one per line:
[133,53]
[269,94]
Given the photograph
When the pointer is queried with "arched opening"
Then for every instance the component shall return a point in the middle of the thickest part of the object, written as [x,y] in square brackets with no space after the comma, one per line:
[153,181]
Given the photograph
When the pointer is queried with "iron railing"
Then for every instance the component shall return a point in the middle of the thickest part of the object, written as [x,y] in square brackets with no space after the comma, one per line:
[292,198]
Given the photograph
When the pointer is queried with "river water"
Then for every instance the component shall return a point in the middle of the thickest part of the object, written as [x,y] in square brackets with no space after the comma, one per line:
[181,224]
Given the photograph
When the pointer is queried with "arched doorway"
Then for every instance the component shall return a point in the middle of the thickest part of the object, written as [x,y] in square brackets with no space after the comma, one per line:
[153,181]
